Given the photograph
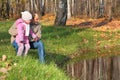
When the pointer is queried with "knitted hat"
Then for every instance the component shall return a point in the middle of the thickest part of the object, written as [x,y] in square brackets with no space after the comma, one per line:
[26,15]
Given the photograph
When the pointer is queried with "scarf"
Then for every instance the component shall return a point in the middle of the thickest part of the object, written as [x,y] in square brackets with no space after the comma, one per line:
[27,29]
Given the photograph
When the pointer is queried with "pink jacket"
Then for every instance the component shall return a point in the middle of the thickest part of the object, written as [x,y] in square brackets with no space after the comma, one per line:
[21,32]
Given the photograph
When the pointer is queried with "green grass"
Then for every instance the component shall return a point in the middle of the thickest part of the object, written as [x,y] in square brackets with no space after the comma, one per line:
[30,69]
[62,44]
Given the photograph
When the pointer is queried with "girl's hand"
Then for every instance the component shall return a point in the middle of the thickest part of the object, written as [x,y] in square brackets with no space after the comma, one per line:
[36,39]
[21,42]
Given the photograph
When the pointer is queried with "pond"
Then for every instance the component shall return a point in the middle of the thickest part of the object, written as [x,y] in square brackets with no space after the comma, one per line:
[104,68]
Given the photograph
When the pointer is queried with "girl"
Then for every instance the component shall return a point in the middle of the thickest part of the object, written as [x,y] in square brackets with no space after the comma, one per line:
[23,29]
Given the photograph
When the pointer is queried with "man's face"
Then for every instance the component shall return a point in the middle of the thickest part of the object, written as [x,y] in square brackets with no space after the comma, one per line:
[36,18]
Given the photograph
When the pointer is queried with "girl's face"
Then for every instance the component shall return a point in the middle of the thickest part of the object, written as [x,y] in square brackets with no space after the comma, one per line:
[28,22]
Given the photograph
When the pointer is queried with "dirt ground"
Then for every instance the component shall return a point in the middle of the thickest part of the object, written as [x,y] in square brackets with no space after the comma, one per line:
[98,24]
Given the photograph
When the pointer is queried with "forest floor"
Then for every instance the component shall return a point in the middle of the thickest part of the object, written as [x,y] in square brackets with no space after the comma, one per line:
[101,24]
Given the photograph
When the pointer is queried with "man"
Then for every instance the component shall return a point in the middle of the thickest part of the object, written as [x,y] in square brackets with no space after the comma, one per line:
[36,27]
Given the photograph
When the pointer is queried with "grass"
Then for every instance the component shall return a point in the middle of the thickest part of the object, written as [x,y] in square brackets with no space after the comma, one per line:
[30,69]
[62,44]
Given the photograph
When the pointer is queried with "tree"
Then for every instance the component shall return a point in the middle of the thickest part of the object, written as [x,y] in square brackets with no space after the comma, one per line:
[101,8]
[61,16]
[68,9]
[42,7]
[73,8]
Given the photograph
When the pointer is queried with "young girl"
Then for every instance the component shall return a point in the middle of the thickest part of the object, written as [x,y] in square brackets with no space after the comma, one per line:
[23,29]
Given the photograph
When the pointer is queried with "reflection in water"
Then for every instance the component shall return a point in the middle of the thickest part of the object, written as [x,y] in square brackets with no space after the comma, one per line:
[96,69]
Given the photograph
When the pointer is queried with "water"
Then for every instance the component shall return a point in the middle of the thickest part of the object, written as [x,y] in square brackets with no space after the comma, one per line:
[107,68]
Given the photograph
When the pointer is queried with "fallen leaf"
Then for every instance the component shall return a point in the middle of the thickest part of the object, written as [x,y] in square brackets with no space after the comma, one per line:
[4,57]
[85,40]
[98,43]
[2,77]
[3,70]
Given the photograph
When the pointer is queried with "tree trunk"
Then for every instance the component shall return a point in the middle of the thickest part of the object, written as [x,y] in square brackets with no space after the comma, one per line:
[7,8]
[73,3]
[68,9]
[42,7]
[101,8]
[61,13]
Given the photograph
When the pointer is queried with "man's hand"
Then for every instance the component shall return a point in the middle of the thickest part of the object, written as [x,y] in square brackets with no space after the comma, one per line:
[36,39]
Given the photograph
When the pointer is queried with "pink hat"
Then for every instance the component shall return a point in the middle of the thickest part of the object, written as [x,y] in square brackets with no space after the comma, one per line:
[26,15]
